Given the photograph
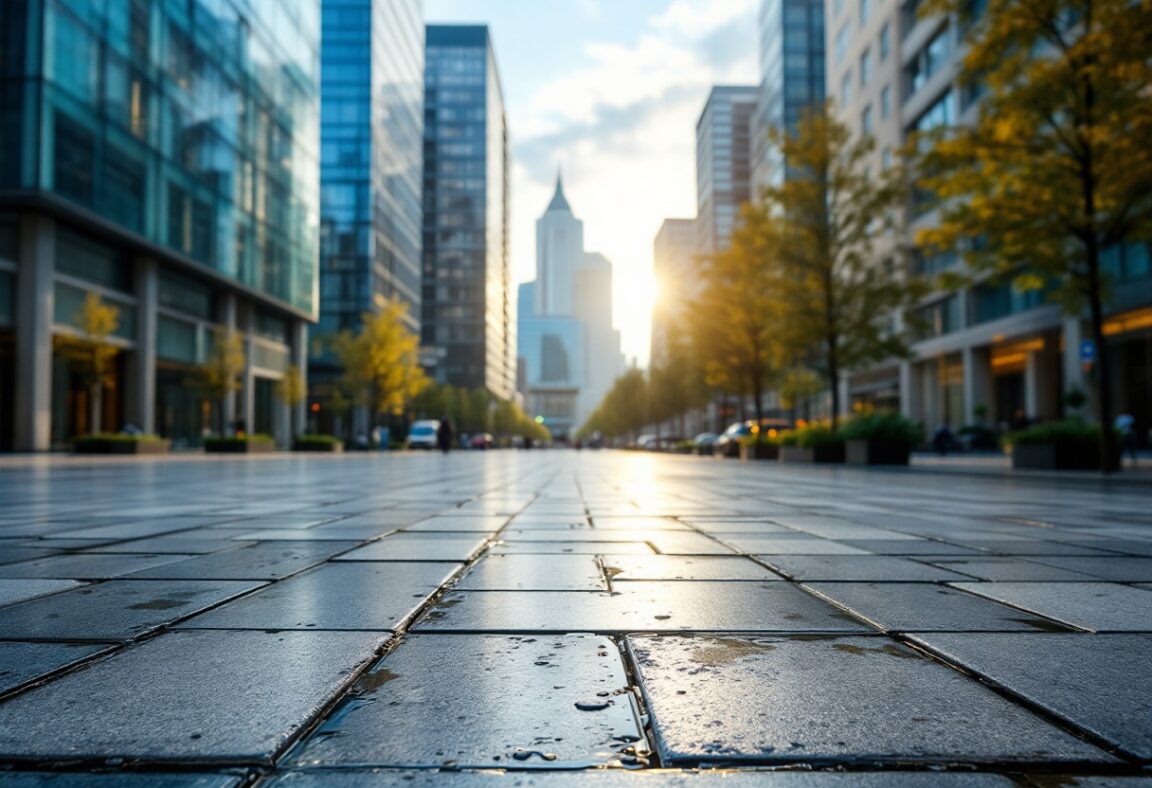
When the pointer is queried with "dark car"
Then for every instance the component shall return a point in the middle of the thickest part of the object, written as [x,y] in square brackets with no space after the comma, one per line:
[728,444]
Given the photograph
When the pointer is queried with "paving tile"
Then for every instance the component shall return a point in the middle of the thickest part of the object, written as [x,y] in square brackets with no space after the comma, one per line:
[640,607]
[11,554]
[338,595]
[722,700]
[84,566]
[1028,547]
[1005,569]
[492,702]
[21,663]
[535,573]
[572,548]
[419,547]
[619,778]
[136,530]
[16,590]
[114,611]
[226,703]
[673,567]
[469,523]
[878,568]
[334,534]
[904,607]
[115,780]
[1099,607]
[259,561]
[908,547]
[800,545]
[514,534]
[638,523]
[1053,670]
[187,543]
[1118,569]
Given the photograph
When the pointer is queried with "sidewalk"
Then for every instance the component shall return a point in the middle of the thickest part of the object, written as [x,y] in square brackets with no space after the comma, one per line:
[554,618]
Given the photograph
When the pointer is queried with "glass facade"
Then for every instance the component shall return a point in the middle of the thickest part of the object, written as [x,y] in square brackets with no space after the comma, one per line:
[792,74]
[467,310]
[372,100]
[188,123]
[723,164]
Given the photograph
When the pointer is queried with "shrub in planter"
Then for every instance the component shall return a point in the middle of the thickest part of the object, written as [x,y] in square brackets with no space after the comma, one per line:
[1058,445]
[880,439]
[328,443]
[980,437]
[814,443]
[752,448]
[240,444]
[120,443]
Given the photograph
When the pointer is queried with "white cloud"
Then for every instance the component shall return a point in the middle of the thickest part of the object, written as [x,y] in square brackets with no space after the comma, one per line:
[694,18]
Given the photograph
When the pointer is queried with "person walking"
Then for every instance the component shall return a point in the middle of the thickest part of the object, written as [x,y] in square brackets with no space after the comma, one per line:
[1125,424]
[444,435]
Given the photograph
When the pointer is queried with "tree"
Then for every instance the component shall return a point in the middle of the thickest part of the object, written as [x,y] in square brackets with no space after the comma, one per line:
[1056,169]
[382,361]
[675,383]
[836,302]
[291,390]
[624,409]
[221,371]
[93,353]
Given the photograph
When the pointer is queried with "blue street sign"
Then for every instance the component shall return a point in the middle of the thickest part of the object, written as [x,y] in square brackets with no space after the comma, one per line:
[1087,350]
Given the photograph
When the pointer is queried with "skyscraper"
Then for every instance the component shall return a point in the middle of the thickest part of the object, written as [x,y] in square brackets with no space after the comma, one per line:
[372,108]
[723,164]
[673,255]
[163,156]
[792,76]
[467,310]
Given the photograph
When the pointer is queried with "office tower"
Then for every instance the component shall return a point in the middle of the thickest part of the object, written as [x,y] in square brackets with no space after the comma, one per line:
[467,310]
[163,156]
[371,159]
[723,164]
[791,77]
[677,281]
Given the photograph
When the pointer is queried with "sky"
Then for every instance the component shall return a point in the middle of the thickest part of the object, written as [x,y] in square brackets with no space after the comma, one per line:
[609,91]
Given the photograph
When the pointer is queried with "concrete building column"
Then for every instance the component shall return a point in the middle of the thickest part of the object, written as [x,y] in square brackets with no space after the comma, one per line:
[142,389]
[977,381]
[845,397]
[1032,385]
[247,405]
[228,320]
[34,306]
[1048,392]
[1073,367]
[299,415]
[930,393]
[909,390]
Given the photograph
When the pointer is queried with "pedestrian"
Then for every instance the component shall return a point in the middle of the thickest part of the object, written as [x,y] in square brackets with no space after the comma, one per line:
[444,435]
[1125,424]
[942,439]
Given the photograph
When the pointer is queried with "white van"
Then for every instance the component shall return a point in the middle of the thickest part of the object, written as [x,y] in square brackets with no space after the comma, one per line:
[422,434]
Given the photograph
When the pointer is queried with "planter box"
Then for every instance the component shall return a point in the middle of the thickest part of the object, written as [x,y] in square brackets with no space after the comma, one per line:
[830,453]
[319,446]
[1060,456]
[760,451]
[98,446]
[239,447]
[877,452]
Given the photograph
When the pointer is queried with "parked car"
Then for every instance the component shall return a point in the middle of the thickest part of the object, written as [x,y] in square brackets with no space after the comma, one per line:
[705,442]
[728,444]
[422,434]
[482,440]
[649,442]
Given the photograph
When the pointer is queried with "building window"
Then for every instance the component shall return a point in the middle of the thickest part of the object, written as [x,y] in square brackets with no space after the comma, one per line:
[838,7]
[885,102]
[928,61]
[885,35]
[865,68]
[865,8]
[841,43]
[846,88]
[866,121]
[886,157]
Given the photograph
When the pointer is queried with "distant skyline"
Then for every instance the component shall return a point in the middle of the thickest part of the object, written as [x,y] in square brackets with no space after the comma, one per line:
[610,92]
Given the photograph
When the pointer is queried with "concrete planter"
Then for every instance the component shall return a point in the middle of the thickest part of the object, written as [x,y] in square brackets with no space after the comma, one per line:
[877,451]
[318,446]
[1060,456]
[110,446]
[760,451]
[238,446]
[828,453]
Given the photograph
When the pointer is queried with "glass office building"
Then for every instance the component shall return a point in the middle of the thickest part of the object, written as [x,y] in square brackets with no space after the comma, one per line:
[723,164]
[371,125]
[467,311]
[164,156]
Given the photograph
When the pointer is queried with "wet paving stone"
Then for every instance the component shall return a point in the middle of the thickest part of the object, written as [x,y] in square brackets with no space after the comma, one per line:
[259,561]
[237,697]
[797,545]
[535,573]
[21,663]
[722,700]
[879,568]
[339,595]
[622,568]
[83,566]
[14,590]
[11,554]
[493,702]
[638,523]
[1005,569]
[114,611]
[1099,607]
[1028,547]
[908,547]
[640,607]
[908,607]
[1052,671]
[618,778]
[333,534]
[115,780]
[420,547]
[465,523]
[571,548]
[1118,569]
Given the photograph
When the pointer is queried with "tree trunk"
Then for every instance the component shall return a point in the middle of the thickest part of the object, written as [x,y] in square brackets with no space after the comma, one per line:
[1103,371]
[95,407]
[834,379]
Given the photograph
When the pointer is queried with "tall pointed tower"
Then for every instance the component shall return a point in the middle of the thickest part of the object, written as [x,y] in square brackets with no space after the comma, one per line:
[559,253]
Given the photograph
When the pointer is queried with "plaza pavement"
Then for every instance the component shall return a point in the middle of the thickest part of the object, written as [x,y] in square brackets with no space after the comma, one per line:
[554,618]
